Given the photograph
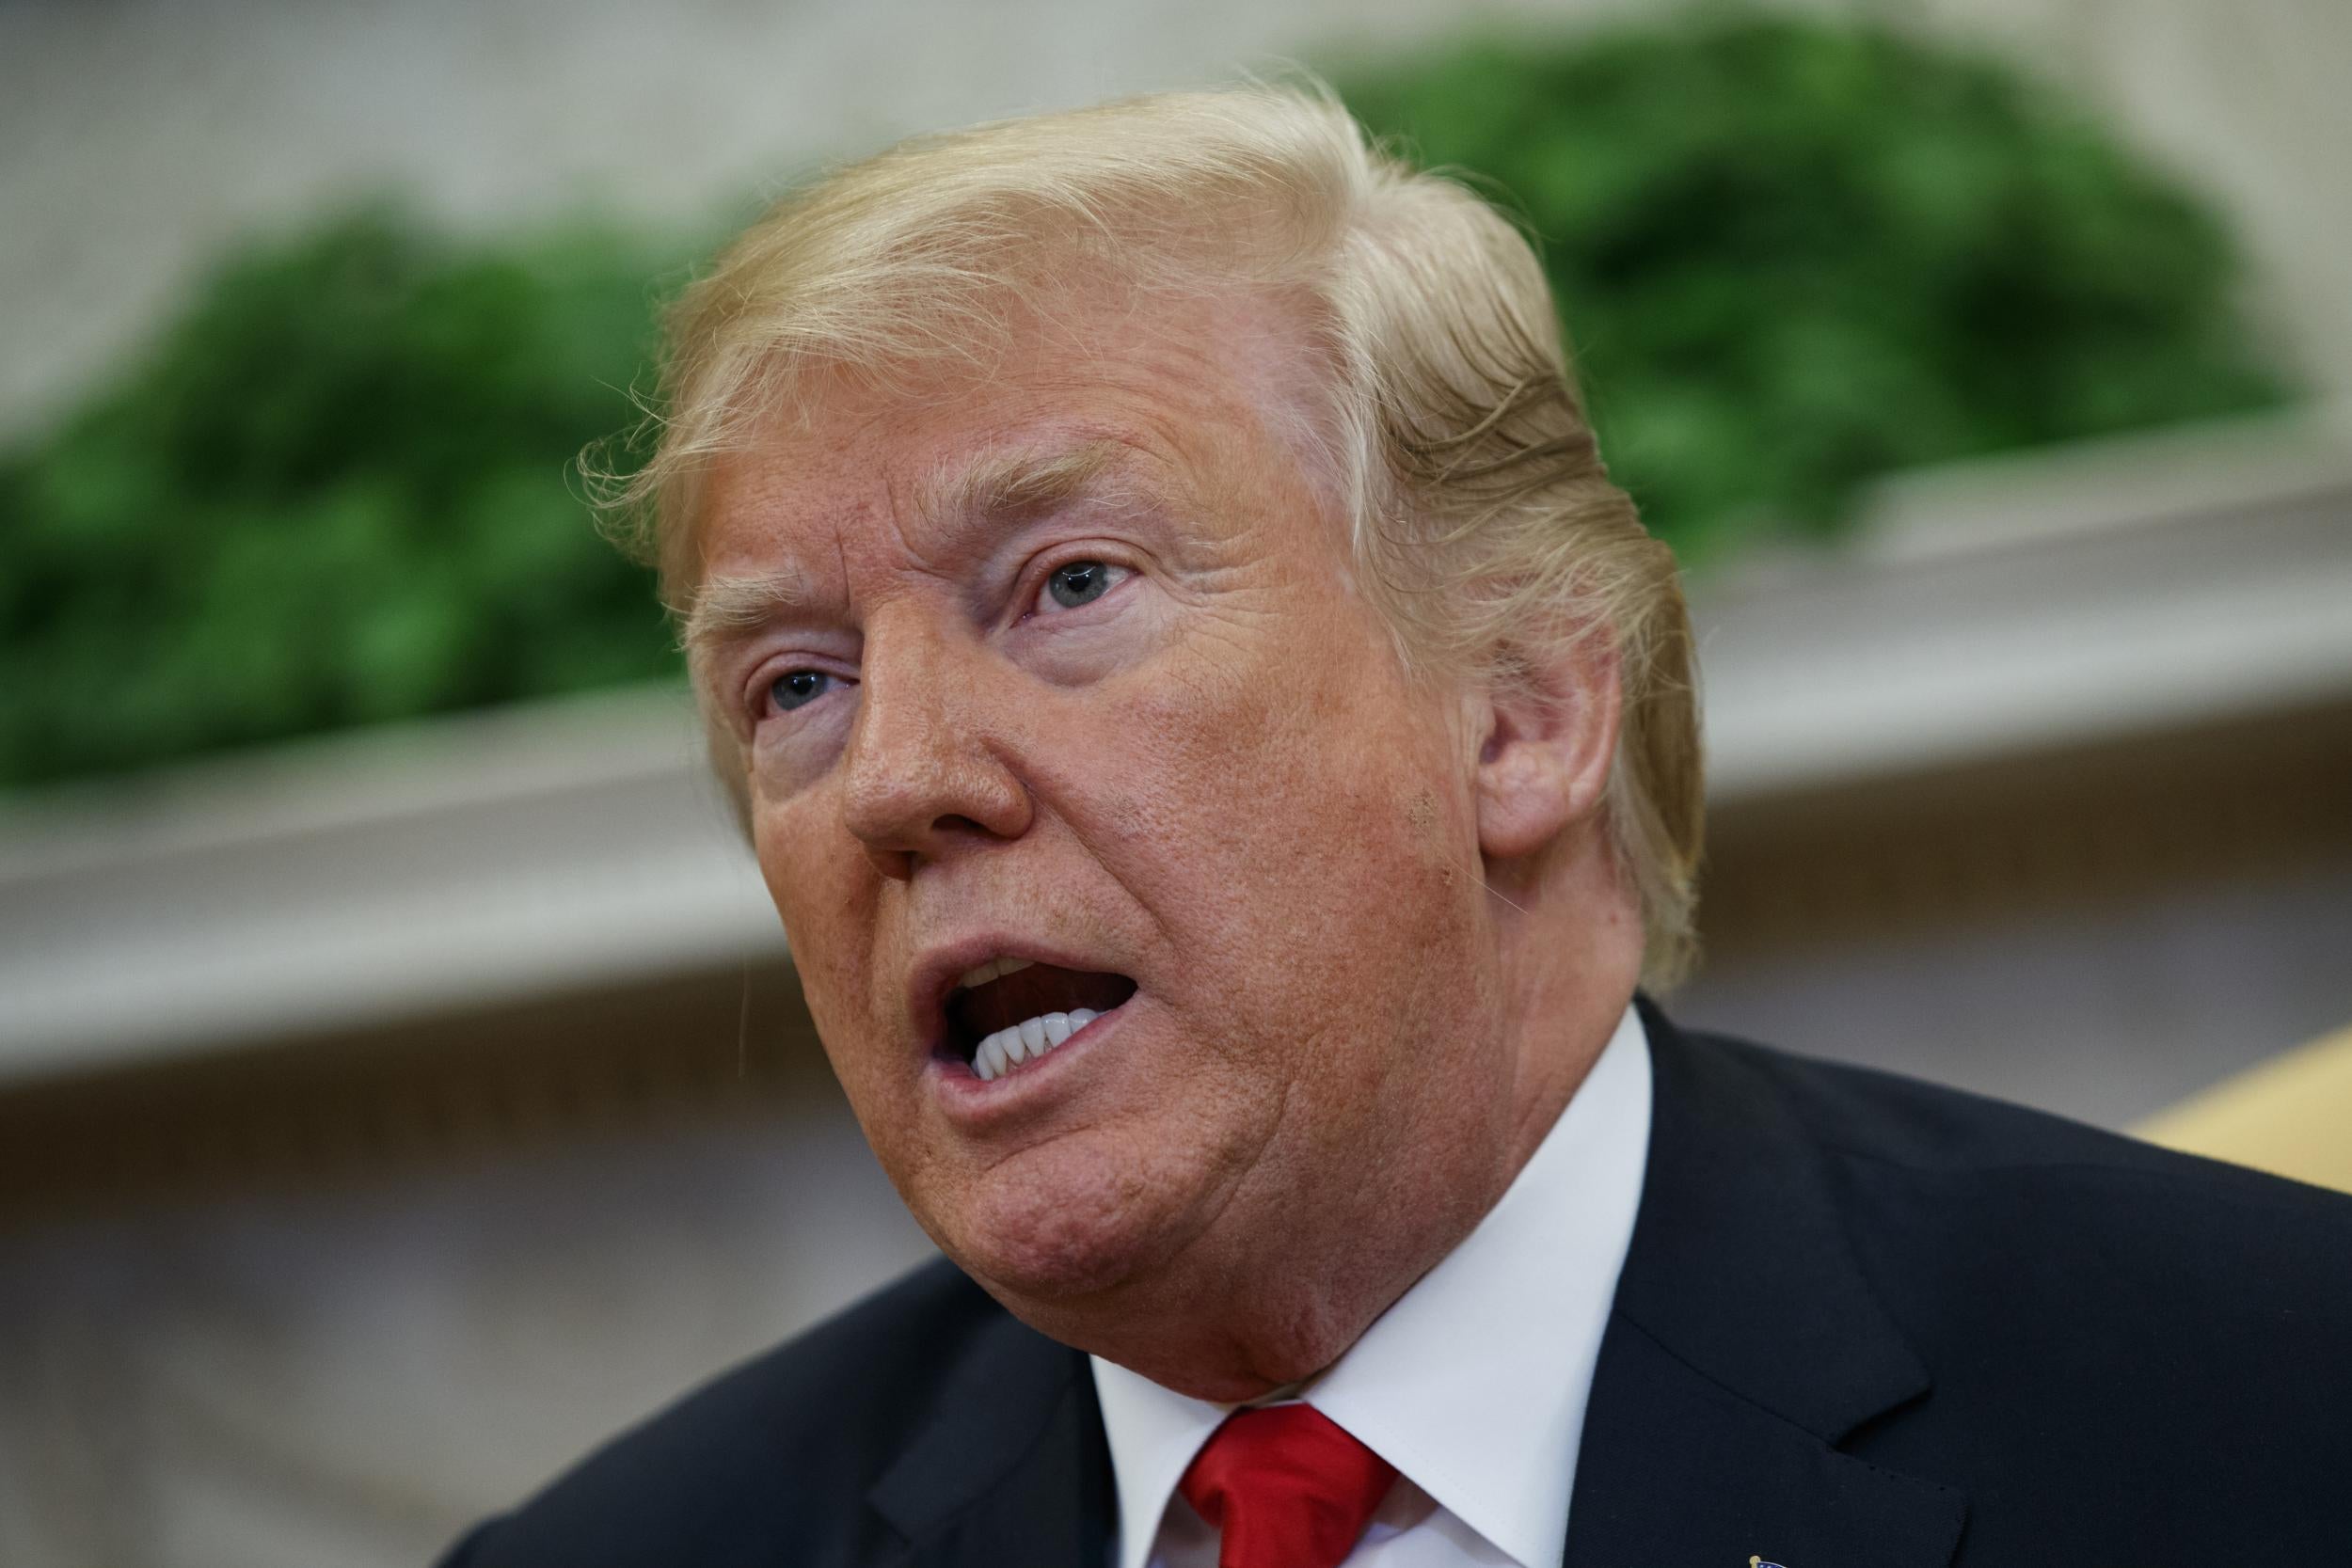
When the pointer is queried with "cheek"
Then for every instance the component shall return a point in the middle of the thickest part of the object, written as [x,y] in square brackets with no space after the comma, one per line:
[821,890]
[1293,821]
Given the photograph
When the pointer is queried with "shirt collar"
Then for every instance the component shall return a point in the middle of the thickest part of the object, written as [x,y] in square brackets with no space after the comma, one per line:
[1474,1383]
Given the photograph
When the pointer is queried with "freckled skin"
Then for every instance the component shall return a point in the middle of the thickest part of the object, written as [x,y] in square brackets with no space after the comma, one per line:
[1216,779]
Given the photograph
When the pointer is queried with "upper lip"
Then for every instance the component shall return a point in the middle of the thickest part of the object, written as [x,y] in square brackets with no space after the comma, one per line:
[939,967]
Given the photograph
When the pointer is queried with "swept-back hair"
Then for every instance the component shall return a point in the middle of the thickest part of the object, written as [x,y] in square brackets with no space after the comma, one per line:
[1482,519]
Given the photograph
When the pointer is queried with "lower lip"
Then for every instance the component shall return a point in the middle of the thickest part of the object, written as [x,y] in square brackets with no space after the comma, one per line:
[970,1097]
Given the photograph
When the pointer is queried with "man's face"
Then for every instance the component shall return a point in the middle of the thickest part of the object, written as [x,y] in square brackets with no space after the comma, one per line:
[1066,666]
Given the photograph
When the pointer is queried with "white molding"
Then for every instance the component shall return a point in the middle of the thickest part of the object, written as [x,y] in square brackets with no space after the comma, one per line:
[368,878]
[2132,589]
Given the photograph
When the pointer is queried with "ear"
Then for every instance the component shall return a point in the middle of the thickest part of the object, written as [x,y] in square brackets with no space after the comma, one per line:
[1546,729]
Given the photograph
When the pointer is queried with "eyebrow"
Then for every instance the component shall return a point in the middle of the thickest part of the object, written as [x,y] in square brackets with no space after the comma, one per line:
[999,488]
[1016,484]
[728,608]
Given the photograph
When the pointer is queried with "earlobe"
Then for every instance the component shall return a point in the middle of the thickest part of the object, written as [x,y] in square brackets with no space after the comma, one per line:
[1548,732]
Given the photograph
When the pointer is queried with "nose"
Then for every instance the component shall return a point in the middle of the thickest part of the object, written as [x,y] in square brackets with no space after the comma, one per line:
[925,776]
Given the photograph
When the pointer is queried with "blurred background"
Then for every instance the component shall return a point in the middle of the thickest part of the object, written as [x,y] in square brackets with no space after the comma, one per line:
[403,1081]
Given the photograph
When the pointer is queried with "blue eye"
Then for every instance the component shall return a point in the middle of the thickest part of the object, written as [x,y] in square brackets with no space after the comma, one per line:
[798,687]
[1082,583]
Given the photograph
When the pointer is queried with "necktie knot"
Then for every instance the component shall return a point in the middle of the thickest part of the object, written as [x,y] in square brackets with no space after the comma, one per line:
[1285,1487]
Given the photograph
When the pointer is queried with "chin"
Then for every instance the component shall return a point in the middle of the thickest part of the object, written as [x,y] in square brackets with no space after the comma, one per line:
[1064,1221]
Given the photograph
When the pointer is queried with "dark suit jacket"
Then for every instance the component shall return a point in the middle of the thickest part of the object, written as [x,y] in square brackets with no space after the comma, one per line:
[1864,1322]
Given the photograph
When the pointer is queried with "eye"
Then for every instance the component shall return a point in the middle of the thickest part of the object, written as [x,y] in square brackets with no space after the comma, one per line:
[798,687]
[1080,582]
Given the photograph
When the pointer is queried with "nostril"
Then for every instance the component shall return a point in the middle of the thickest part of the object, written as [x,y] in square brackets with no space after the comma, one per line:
[897,861]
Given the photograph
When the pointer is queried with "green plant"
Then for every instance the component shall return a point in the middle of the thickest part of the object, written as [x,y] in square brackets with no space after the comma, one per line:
[1794,254]
[337,491]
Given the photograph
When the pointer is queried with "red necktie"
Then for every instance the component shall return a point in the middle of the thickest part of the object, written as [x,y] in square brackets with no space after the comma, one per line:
[1286,1488]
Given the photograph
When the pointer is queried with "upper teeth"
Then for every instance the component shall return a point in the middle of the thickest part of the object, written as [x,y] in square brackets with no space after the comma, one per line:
[1027,1040]
[989,971]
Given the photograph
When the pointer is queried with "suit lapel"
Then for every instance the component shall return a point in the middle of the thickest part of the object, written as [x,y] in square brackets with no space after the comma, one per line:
[1012,1467]
[1677,1470]
[1745,1345]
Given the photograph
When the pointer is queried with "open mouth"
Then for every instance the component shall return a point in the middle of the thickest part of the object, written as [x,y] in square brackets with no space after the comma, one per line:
[1012,1011]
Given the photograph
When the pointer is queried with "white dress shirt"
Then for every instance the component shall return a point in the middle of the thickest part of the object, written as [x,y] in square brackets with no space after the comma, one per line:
[1473,1384]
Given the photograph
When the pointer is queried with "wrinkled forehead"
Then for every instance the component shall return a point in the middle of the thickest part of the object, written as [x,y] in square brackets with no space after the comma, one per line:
[1072,366]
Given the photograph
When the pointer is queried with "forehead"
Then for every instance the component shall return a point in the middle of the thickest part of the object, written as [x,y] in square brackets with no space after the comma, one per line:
[1093,388]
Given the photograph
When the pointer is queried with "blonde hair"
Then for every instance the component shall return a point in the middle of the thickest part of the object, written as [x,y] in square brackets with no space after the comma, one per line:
[1482,516]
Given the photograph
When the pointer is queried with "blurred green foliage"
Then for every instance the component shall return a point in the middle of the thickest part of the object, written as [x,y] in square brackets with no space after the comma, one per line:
[338,490]
[1793,254]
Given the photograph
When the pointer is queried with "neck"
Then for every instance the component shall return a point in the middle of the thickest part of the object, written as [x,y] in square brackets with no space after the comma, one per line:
[1571,943]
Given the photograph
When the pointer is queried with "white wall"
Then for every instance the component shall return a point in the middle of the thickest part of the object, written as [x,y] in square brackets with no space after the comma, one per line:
[343,1377]
[138,138]
[2109,1013]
